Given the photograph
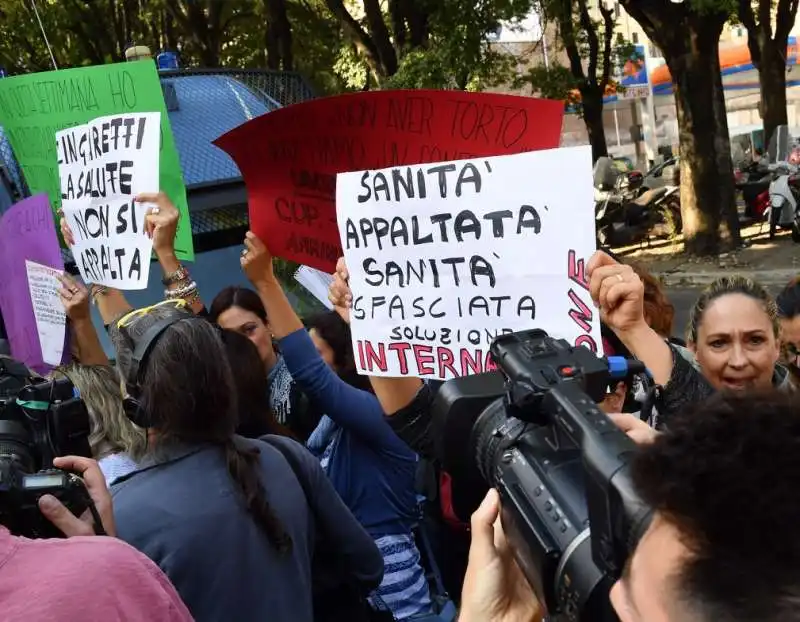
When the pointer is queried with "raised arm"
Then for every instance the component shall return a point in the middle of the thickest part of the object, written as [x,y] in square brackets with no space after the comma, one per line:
[358,411]
[75,298]
[161,223]
[394,394]
[619,293]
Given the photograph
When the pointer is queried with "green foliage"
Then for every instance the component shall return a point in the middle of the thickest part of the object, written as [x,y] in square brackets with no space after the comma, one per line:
[553,82]
[232,33]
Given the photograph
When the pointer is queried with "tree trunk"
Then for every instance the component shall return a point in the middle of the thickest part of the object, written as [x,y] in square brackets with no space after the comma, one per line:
[772,79]
[707,192]
[592,104]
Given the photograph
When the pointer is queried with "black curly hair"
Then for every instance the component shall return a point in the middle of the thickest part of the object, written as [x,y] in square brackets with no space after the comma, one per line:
[727,477]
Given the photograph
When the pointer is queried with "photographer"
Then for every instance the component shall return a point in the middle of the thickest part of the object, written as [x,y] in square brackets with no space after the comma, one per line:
[711,552]
[86,578]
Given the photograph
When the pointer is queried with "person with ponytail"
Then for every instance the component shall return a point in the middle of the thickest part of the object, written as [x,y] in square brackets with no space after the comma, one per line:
[232,522]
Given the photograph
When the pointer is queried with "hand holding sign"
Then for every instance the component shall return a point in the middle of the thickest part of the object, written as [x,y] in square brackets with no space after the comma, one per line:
[618,291]
[161,221]
[339,292]
[75,298]
[256,261]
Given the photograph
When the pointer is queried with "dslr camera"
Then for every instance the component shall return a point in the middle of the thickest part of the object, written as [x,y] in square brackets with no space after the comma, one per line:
[534,432]
[39,420]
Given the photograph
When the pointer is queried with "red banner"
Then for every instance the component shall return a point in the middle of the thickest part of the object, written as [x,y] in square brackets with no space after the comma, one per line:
[289,158]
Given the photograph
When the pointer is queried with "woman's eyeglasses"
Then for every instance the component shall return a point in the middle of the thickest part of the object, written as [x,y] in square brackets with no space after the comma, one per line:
[130,318]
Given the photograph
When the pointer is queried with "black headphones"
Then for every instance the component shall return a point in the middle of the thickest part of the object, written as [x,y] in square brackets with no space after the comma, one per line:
[133,376]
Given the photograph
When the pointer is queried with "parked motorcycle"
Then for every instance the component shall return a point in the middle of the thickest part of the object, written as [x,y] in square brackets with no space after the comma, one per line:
[784,190]
[625,216]
[753,180]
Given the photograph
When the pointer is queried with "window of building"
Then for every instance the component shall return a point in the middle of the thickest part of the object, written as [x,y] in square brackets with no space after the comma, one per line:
[635,37]
[616,10]
[740,32]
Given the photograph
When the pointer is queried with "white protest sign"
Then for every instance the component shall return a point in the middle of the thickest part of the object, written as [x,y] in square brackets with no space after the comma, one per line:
[51,321]
[316,282]
[444,257]
[103,165]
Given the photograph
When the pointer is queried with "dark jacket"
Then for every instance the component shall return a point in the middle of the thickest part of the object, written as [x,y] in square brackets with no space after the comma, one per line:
[183,510]
[687,386]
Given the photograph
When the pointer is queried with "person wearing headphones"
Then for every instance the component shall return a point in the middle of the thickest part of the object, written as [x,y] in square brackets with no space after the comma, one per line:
[233,522]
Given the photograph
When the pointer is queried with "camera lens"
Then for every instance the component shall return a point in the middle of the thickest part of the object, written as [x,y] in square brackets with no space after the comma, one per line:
[493,432]
[14,445]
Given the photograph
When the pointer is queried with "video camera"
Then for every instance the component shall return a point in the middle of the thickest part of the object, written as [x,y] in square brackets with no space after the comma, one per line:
[39,421]
[534,432]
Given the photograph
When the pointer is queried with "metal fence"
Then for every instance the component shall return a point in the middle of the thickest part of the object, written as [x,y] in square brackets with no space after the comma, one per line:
[283,87]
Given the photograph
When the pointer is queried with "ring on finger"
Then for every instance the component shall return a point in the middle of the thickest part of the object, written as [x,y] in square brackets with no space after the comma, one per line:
[245,251]
[155,210]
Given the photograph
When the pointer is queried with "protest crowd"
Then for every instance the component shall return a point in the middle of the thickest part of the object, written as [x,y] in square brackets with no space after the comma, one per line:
[246,465]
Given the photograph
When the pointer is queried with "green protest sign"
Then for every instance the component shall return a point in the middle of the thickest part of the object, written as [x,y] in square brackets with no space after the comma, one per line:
[34,107]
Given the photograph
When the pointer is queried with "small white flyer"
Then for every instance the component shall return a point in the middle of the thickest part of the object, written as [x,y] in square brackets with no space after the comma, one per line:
[51,320]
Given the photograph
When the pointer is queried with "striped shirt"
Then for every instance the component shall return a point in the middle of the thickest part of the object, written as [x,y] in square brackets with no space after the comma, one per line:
[404,589]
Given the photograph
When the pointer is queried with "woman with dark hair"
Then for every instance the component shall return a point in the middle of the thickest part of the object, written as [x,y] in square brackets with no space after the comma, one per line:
[370,467]
[232,522]
[252,388]
[334,343]
[240,309]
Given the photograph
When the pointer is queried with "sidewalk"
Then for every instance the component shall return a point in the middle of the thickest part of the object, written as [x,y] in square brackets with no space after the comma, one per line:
[772,263]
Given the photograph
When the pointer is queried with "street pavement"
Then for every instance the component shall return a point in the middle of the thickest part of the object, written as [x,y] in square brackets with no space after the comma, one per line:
[683,298]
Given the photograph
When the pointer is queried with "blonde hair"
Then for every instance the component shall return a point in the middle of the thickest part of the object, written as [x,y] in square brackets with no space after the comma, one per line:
[111,430]
[723,286]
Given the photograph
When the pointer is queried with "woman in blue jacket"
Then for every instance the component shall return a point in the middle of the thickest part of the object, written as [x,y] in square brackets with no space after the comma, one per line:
[370,467]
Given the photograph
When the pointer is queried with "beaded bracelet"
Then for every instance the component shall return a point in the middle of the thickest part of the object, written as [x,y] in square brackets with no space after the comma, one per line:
[97,290]
[181,274]
[181,292]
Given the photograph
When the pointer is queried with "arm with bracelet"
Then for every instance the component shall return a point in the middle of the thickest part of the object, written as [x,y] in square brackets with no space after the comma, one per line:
[161,224]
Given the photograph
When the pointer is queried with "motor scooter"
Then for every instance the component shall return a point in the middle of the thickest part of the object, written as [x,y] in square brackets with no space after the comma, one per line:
[622,216]
[784,189]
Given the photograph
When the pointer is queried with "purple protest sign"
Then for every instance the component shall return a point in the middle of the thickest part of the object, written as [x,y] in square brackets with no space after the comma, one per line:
[27,232]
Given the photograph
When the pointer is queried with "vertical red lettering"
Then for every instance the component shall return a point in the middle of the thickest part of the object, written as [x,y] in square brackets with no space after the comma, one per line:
[446,360]
[583,314]
[375,359]
[424,359]
[586,340]
[470,363]
[577,270]
[401,349]
[361,363]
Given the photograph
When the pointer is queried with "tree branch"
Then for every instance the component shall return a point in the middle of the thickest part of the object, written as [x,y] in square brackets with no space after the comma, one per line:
[748,19]
[765,18]
[360,38]
[784,20]
[591,35]
[608,35]
[567,28]
[398,24]
[380,36]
